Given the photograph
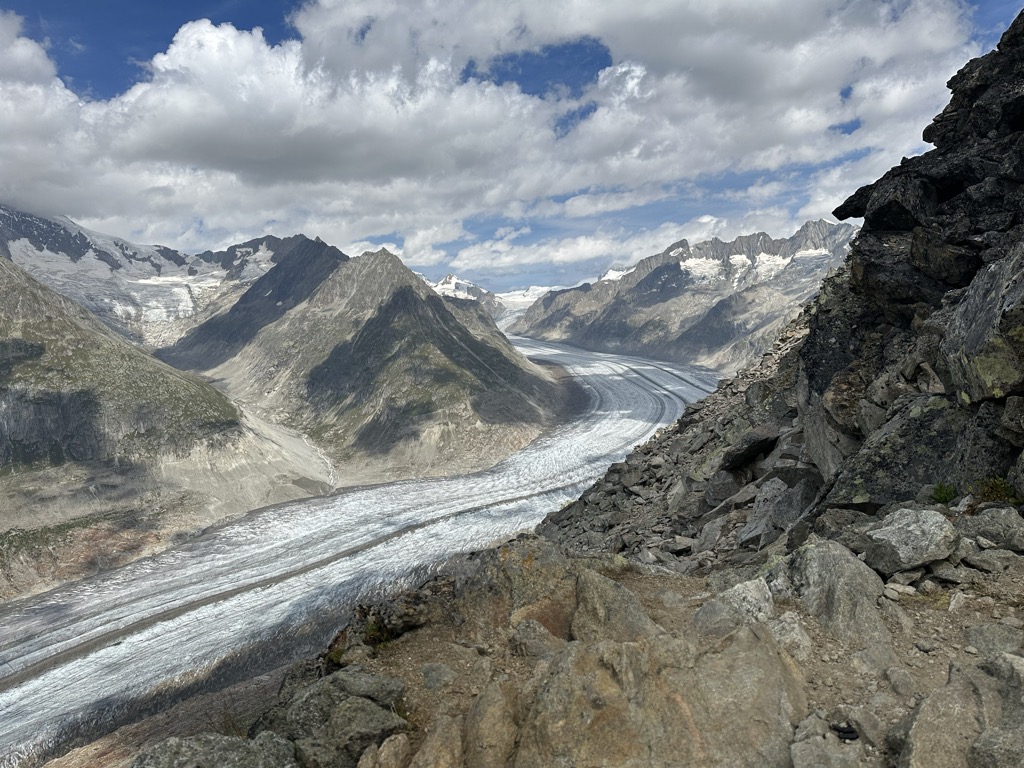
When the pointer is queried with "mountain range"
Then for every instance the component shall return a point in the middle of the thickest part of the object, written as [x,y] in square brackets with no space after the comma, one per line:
[307,370]
[716,303]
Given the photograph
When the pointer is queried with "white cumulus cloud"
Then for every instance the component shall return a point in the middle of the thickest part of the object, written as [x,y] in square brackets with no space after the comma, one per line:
[362,129]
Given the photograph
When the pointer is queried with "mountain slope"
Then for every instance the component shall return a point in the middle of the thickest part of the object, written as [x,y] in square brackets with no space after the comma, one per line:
[149,293]
[73,390]
[107,454]
[717,304]
[361,355]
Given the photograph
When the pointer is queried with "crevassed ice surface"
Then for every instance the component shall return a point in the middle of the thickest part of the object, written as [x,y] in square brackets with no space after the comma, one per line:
[274,585]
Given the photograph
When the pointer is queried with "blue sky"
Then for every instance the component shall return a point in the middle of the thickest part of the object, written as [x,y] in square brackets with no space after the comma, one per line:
[514,144]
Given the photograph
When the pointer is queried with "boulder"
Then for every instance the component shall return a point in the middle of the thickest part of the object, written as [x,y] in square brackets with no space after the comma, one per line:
[908,538]
[393,753]
[663,703]
[749,446]
[489,734]
[744,603]
[1004,526]
[1002,744]
[606,610]
[332,727]
[941,730]
[913,448]
[442,748]
[841,592]
[268,750]
[995,639]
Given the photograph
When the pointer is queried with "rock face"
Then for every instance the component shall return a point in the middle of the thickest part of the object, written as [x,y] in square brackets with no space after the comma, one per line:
[716,304]
[362,356]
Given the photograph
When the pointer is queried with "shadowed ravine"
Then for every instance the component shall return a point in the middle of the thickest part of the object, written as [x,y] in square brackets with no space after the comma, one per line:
[78,661]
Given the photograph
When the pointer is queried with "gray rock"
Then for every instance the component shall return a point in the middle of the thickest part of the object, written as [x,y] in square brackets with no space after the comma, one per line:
[442,748]
[909,538]
[437,676]
[826,752]
[1002,744]
[901,681]
[776,510]
[743,603]
[840,591]
[912,449]
[791,635]
[980,347]
[991,560]
[268,750]
[393,753]
[605,610]
[678,545]
[750,445]
[331,727]
[941,730]
[383,689]
[1003,526]
[994,639]
[721,486]
[709,535]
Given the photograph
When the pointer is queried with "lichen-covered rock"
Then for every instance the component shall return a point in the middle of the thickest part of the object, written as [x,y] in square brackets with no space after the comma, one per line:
[908,538]
[915,447]
[983,346]
[267,750]
[1004,526]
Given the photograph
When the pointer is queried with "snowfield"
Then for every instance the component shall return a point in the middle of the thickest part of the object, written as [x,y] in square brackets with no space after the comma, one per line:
[274,586]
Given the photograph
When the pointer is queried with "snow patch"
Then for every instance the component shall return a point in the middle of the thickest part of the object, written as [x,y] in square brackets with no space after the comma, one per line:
[703,270]
[617,273]
[768,265]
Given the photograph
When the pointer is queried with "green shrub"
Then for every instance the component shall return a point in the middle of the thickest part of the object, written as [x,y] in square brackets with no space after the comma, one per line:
[944,493]
[994,489]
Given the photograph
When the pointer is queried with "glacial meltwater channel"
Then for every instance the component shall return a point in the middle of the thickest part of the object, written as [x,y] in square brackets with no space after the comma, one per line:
[241,599]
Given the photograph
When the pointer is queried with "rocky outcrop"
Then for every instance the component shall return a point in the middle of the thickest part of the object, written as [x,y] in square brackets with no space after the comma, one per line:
[717,304]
